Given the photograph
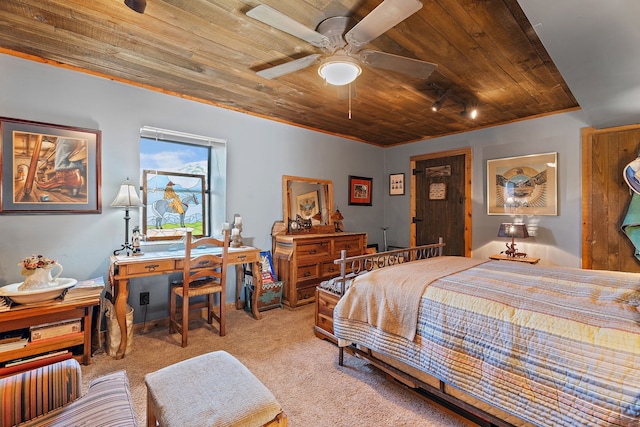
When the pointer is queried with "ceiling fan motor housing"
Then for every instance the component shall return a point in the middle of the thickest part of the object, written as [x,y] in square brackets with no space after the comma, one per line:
[334,29]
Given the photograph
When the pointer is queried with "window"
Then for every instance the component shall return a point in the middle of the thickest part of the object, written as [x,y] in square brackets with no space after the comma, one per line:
[183,179]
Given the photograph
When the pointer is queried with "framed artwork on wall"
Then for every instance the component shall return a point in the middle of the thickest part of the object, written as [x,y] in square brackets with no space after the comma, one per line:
[172,202]
[49,168]
[524,185]
[360,190]
[396,184]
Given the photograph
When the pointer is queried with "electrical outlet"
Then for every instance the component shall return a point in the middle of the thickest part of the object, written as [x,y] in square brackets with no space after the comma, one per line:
[144,298]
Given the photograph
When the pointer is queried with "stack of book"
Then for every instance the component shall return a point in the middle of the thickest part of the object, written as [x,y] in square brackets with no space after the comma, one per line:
[12,343]
[55,329]
[85,289]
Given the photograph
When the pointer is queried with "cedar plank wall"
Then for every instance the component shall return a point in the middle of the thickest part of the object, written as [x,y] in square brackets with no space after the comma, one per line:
[606,197]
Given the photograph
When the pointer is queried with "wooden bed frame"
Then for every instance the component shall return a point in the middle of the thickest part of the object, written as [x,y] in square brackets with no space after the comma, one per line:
[430,388]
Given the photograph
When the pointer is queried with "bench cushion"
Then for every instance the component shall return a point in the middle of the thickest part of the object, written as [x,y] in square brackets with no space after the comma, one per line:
[213,389]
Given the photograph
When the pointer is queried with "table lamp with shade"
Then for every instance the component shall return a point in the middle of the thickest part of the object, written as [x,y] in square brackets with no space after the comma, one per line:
[126,198]
[513,231]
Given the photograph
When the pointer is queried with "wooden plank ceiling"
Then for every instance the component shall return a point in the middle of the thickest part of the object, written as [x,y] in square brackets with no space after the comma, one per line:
[487,53]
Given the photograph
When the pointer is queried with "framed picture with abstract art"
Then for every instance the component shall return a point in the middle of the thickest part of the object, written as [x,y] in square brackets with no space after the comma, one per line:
[525,185]
[360,190]
[396,184]
[49,168]
[172,202]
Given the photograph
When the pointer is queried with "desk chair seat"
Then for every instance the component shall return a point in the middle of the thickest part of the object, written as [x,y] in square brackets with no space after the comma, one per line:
[203,275]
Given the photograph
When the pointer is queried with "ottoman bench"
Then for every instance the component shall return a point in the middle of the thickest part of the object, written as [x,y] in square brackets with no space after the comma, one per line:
[213,389]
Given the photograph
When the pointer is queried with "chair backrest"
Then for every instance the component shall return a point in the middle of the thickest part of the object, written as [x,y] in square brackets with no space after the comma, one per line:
[205,265]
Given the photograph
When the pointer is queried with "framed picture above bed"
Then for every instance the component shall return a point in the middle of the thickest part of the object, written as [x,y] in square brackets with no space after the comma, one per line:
[524,185]
[360,190]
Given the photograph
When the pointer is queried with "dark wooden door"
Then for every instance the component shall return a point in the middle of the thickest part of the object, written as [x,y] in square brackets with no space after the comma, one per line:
[441,202]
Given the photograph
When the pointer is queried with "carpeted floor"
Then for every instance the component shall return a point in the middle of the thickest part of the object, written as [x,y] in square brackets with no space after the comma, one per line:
[300,370]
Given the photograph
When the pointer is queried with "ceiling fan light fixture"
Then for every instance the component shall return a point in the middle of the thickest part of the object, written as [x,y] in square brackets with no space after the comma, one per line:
[339,70]
[136,5]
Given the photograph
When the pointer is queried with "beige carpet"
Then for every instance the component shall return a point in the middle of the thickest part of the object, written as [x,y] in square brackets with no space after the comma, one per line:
[300,369]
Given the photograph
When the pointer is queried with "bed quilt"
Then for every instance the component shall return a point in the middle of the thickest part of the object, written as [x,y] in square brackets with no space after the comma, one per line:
[553,346]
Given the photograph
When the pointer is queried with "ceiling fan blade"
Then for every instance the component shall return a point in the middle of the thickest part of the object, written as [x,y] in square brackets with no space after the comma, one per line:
[387,15]
[289,67]
[282,22]
[401,64]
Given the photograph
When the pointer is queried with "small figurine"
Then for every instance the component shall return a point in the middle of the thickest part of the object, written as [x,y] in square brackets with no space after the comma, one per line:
[135,241]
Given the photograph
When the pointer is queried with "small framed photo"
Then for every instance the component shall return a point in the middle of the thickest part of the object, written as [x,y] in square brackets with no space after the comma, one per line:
[396,184]
[48,168]
[360,190]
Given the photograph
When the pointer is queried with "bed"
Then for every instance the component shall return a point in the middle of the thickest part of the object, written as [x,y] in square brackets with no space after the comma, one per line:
[506,343]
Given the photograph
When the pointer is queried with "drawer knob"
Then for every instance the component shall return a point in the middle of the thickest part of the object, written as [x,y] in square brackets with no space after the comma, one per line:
[242,257]
[312,251]
[306,274]
[331,270]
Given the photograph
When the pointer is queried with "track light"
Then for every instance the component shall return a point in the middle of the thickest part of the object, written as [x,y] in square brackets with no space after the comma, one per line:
[469,114]
[136,5]
[438,104]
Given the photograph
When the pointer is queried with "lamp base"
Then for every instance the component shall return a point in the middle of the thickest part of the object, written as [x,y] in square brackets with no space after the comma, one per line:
[513,252]
[127,248]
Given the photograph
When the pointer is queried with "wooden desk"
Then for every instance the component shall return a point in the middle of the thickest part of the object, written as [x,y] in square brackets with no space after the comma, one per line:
[24,316]
[503,257]
[125,267]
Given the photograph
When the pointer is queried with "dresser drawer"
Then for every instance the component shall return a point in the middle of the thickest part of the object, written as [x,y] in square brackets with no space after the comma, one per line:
[306,295]
[329,269]
[325,303]
[353,246]
[307,272]
[318,248]
[147,267]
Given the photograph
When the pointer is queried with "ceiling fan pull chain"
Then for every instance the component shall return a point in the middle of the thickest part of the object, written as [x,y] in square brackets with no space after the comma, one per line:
[349,101]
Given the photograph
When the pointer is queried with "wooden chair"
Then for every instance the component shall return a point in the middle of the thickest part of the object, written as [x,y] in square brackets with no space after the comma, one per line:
[202,275]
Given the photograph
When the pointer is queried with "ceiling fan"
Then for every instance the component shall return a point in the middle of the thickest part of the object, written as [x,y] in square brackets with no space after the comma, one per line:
[343,50]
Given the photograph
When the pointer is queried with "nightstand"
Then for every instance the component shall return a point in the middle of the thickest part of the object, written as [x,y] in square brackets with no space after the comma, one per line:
[502,257]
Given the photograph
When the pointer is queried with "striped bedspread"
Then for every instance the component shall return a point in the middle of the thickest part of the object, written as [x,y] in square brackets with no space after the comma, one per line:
[553,346]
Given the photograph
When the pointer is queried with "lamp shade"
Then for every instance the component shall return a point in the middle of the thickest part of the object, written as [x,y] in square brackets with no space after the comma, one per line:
[513,230]
[339,70]
[136,5]
[127,196]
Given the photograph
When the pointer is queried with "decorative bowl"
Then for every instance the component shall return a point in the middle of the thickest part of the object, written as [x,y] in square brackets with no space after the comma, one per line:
[37,295]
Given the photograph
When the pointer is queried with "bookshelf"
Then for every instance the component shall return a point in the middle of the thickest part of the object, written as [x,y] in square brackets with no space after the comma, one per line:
[22,317]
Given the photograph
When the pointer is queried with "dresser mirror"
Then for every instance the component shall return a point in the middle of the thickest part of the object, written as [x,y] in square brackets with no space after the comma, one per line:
[307,203]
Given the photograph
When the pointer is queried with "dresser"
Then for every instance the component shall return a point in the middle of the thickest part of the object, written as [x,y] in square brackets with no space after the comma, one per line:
[304,260]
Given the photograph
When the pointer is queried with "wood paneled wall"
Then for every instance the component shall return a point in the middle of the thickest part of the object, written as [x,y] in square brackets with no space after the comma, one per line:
[606,197]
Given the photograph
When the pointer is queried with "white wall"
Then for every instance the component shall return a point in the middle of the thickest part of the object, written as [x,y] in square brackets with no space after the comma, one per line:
[557,240]
[259,153]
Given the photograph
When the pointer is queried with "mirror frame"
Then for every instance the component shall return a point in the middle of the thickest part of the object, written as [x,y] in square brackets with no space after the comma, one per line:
[288,196]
